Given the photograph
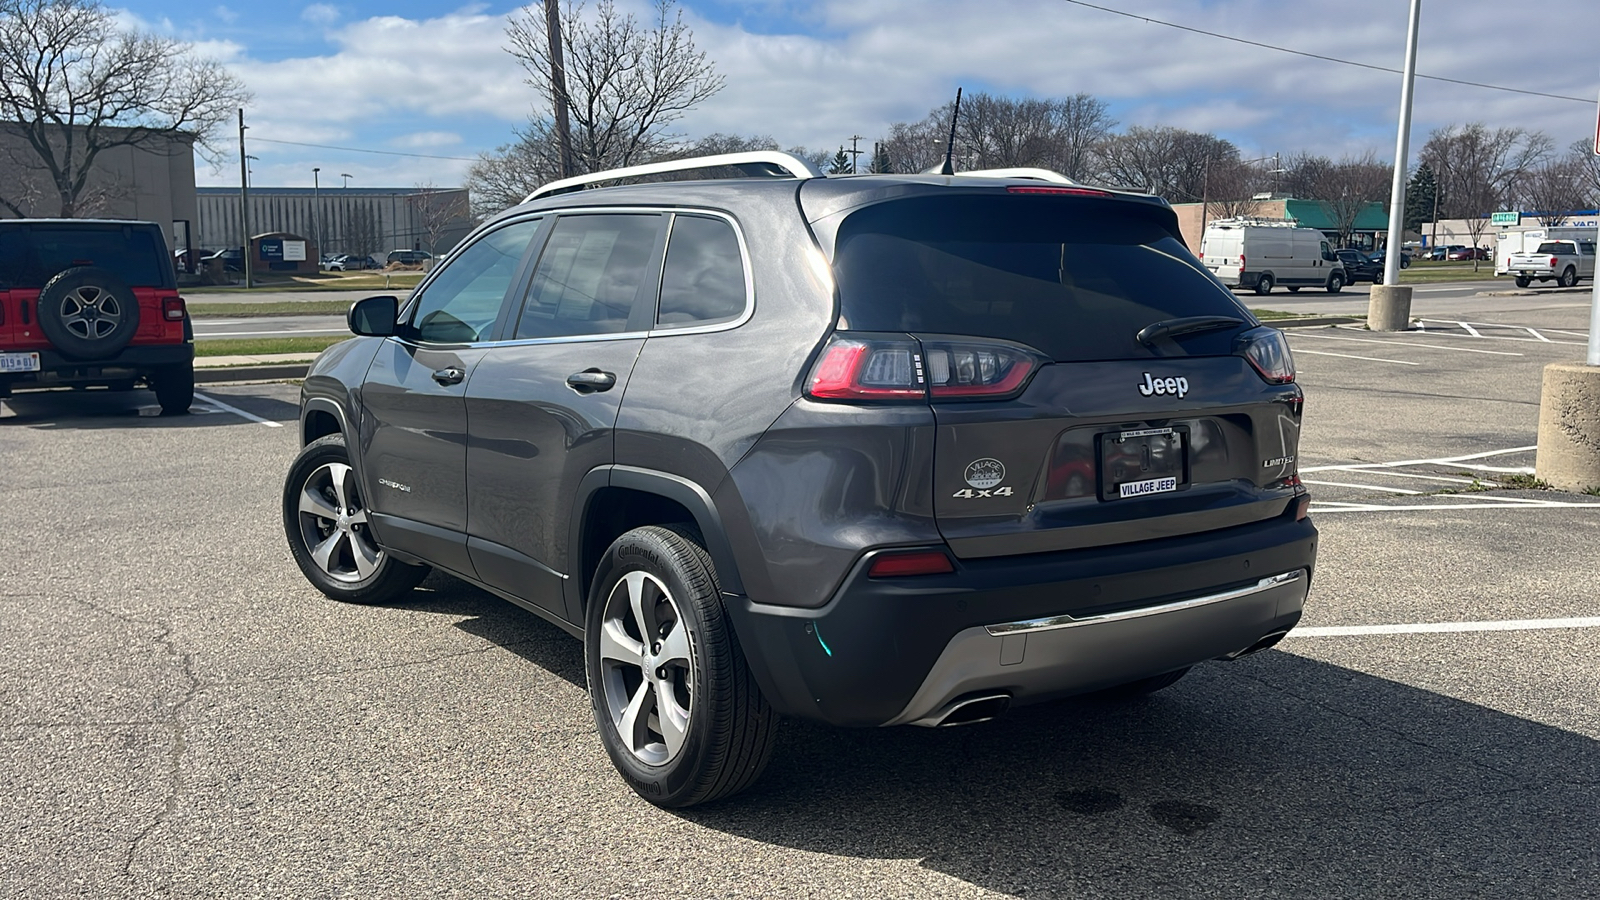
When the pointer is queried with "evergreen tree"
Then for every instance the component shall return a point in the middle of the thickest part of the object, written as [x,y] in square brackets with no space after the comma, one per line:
[841,163]
[880,160]
[1419,198]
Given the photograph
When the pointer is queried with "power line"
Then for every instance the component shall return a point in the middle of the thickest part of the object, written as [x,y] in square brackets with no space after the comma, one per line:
[1333,59]
[263,140]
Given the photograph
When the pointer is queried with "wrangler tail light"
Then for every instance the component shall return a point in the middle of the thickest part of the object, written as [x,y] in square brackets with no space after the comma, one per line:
[898,564]
[172,309]
[1267,351]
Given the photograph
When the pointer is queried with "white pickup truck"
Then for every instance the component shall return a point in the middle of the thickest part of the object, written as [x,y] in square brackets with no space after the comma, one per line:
[1564,261]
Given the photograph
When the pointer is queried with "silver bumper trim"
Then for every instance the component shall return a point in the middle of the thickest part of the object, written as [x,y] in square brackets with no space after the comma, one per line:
[1053,623]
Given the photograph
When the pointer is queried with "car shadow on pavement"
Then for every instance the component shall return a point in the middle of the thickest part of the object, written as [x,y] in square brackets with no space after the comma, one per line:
[84,410]
[1274,776]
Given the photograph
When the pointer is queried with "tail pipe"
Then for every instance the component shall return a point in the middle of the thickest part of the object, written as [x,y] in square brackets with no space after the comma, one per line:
[967,710]
[1258,646]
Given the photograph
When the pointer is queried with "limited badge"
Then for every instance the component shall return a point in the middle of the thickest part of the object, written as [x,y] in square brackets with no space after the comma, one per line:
[985,473]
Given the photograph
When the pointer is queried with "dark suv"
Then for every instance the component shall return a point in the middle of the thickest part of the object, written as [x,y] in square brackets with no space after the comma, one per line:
[871,450]
[1361,267]
[86,303]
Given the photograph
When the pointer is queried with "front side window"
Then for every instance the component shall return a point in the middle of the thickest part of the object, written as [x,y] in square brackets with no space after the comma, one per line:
[703,278]
[589,275]
[463,301]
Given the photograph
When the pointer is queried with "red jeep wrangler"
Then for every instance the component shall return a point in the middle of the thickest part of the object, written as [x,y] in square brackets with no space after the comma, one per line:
[87,303]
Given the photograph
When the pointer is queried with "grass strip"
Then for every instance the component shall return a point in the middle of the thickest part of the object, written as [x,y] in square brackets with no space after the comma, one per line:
[270,308]
[402,282]
[264,346]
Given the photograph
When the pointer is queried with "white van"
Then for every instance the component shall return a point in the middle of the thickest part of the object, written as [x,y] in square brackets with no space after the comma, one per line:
[1262,253]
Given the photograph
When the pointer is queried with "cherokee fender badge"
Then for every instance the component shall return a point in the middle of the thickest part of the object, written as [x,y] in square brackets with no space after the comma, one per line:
[404,488]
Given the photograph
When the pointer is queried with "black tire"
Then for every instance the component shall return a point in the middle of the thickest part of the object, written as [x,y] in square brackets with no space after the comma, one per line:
[1523,282]
[1335,283]
[1264,285]
[174,387]
[1294,288]
[319,481]
[87,313]
[722,725]
[1143,687]
[1569,277]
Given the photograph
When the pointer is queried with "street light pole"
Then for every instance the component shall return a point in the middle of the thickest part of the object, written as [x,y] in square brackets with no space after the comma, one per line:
[316,214]
[244,199]
[1390,306]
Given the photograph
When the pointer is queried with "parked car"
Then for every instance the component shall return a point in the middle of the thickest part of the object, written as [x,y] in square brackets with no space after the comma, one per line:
[983,441]
[1564,261]
[88,303]
[1439,253]
[351,263]
[408,257]
[232,258]
[1380,257]
[1359,266]
[1467,253]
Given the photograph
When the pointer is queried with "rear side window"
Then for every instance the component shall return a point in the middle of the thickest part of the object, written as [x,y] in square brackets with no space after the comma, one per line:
[1074,279]
[138,256]
[589,274]
[703,279]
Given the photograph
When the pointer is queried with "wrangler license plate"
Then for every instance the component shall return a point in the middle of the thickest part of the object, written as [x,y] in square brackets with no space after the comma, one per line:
[1143,462]
[19,362]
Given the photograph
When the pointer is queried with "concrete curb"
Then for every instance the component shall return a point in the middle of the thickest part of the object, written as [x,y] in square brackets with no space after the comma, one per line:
[278,372]
[1311,321]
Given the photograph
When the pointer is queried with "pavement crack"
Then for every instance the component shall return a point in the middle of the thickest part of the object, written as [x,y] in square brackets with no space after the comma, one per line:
[382,667]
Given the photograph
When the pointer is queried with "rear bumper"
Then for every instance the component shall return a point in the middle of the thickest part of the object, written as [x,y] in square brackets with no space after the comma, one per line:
[130,362]
[896,650]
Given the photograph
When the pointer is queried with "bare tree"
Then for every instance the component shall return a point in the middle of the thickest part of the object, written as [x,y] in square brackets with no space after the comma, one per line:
[439,211]
[1231,186]
[627,81]
[1555,190]
[76,84]
[1346,188]
[1588,164]
[1059,134]
[1301,175]
[1480,170]
[503,178]
[1171,162]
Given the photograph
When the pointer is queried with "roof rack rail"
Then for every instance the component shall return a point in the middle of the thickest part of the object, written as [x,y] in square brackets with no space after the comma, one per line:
[1019,172]
[1236,221]
[750,162]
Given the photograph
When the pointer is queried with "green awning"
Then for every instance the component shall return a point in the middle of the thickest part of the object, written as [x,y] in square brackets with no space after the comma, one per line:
[1312,214]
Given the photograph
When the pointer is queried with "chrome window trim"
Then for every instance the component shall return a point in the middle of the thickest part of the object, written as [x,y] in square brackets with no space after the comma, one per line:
[1053,623]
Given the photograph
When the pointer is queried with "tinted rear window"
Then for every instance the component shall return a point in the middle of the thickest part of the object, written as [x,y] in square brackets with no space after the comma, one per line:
[1075,279]
[1554,247]
[34,255]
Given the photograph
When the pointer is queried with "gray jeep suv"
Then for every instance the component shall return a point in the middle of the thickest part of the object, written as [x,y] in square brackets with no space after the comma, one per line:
[870,450]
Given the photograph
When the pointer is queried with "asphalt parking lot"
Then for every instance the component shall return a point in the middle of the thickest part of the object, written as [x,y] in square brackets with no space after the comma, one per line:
[184,716]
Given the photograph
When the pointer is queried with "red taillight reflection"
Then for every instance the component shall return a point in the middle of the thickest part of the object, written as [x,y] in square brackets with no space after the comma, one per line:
[916,562]
[1068,191]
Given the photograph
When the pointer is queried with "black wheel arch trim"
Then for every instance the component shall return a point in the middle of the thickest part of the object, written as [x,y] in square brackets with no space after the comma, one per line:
[676,488]
[310,405]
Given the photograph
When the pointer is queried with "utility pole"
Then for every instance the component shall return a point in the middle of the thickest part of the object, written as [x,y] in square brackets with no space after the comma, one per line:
[854,153]
[244,200]
[558,84]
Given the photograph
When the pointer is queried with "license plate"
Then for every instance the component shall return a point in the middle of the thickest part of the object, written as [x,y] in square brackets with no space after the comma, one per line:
[1143,462]
[19,362]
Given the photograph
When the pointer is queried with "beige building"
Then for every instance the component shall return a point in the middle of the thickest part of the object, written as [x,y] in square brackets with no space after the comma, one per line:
[153,182]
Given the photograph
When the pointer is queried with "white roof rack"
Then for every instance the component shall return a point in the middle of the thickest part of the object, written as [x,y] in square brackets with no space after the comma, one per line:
[1023,172]
[1238,221]
[751,162]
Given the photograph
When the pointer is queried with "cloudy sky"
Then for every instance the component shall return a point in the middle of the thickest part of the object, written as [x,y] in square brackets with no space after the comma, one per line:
[432,80]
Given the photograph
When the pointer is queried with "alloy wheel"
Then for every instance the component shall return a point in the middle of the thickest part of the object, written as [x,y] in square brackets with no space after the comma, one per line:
[90,312]
[333,524]
[647,675]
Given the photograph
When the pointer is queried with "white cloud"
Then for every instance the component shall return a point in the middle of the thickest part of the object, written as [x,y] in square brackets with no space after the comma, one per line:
[225,14]
[320,14]
[420,140]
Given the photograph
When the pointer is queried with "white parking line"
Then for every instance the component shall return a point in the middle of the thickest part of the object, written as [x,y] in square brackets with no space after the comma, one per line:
[1398,362]
[1403,343]
[1440,461]
[237,411]
[1470,330]
[1446,627]
[1373,507]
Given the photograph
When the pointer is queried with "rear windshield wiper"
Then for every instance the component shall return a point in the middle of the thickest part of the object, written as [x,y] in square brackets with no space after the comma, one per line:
[1151,333]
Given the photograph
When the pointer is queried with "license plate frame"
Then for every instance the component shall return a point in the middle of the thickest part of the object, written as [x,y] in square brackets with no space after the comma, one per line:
[1142,462]
[17,362]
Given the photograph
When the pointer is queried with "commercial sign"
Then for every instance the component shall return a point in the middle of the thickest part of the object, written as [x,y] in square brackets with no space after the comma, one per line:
[294,251]
[1506,218]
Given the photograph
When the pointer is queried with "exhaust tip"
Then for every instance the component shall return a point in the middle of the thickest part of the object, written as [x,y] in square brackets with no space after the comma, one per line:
[1258,646]
[967,711]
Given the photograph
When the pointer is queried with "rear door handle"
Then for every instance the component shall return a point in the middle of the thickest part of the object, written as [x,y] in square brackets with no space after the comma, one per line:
[450,375]
[591,381]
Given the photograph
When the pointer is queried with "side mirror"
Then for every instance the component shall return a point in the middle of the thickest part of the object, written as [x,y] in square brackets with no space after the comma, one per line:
[374,316]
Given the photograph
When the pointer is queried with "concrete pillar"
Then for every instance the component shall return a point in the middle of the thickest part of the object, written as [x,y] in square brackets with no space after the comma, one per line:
[1568,458]
[1390,308]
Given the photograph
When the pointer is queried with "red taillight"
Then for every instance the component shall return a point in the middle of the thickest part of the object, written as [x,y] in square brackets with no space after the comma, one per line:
[898,564]
[1301,505]
[172,309]
[1241,262]
[1069,191]
[861,367]
[853,369]
[1554,262]
[1267,351]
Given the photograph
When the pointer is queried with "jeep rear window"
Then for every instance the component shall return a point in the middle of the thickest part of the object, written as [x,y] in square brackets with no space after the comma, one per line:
[1073,278]
[135,255]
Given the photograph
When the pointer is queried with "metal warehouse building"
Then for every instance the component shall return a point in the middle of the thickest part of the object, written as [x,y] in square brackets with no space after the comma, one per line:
[359,221]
